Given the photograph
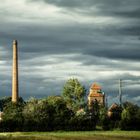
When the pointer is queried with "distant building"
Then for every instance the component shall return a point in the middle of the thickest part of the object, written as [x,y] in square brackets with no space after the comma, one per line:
[96,94]
[1,115]
[114,111]
[111,109]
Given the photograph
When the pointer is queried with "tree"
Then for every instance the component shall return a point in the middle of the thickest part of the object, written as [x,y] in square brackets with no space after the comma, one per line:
[104,120]
[94,111]
[37,115]
[4,101]
[74,93]
[61,114]
[130,117]
[12,118]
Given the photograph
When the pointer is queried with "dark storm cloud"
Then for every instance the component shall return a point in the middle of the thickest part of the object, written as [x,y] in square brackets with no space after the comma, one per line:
[128,10]
[117,53]
[70,39]
[133,30]
[135,13]
[125,8]
[80,3]
[49,53]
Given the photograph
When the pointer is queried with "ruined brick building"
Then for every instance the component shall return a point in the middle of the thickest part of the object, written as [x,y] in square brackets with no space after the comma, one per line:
[96,93]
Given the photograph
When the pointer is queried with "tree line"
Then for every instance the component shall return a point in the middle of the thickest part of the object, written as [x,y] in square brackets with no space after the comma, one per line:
[69,111]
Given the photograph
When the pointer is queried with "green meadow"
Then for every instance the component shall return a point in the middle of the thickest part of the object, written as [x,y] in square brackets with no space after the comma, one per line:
[73,135]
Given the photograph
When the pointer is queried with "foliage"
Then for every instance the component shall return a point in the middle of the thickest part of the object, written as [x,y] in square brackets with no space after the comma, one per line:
[12,116]
[51,113]
[67,112]
[104,120]
[37,113]
[74,93]
[130,117]
[93,112]
[61,114]
[4,101]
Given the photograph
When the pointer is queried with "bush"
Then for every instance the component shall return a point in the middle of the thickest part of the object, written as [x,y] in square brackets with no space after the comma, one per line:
[12,118]
[130,117]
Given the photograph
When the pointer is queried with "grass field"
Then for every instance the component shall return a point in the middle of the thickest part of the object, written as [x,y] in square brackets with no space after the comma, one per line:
[85,135]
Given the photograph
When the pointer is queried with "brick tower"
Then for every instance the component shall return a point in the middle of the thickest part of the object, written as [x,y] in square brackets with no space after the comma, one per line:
[96,93]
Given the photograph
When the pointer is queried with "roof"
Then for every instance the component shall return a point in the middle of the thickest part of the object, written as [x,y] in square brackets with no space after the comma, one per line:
[113,106]
[95,86]
[96,95]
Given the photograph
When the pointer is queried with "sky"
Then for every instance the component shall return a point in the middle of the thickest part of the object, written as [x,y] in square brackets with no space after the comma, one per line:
[91,40]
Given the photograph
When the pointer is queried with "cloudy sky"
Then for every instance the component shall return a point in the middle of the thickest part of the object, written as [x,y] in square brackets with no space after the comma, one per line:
[92,40]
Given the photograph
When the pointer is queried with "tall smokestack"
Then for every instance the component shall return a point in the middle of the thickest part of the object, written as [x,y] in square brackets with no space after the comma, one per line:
[15,72]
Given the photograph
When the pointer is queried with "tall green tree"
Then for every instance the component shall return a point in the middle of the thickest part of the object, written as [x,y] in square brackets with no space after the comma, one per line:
[130,117]
[74,93]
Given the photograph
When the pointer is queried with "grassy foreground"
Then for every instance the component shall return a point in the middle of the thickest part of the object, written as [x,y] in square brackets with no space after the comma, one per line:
[90,135]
